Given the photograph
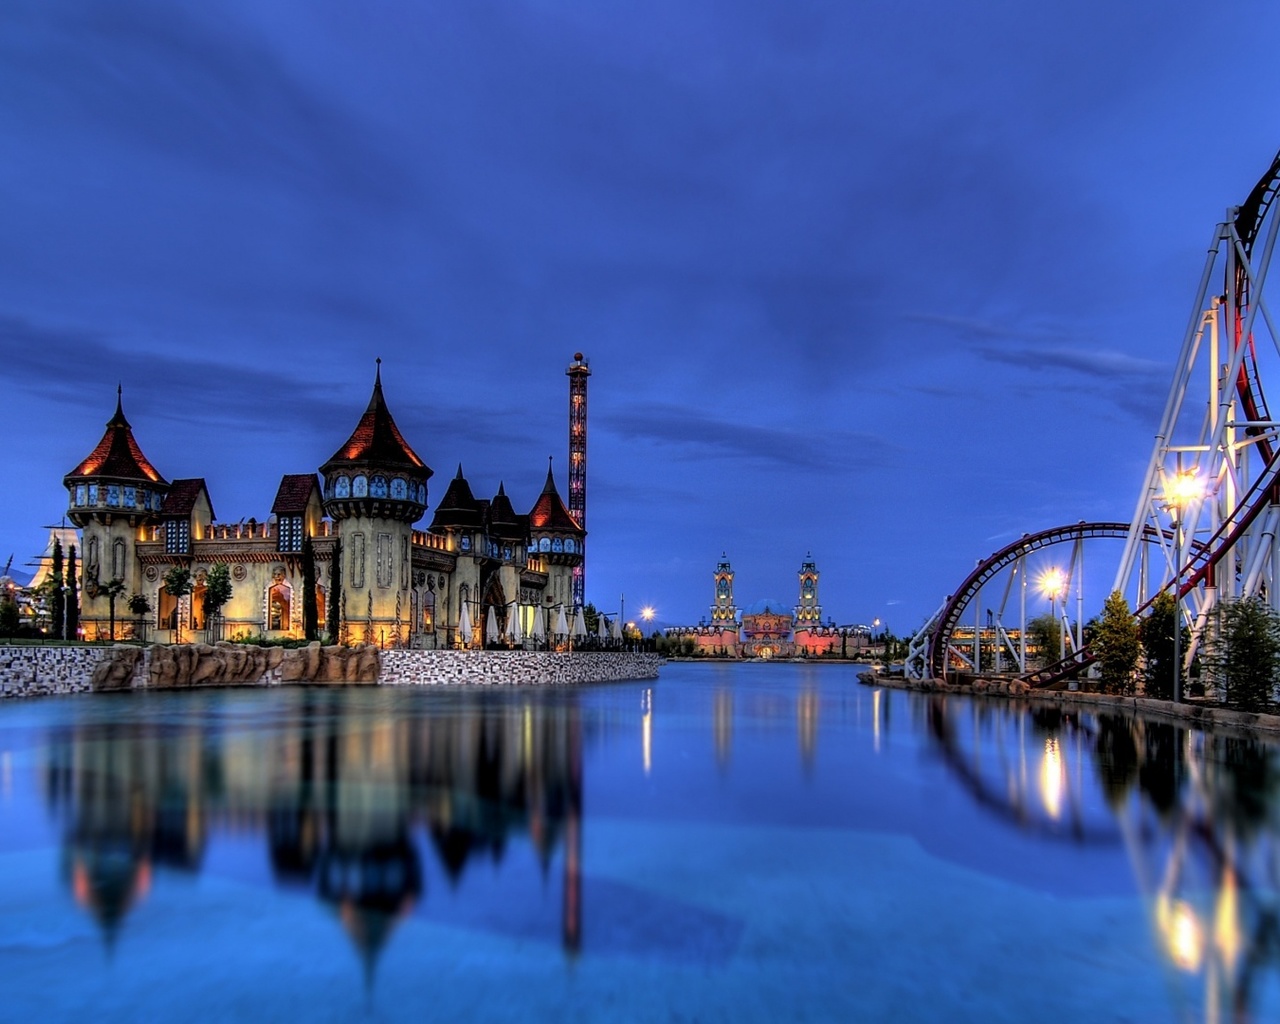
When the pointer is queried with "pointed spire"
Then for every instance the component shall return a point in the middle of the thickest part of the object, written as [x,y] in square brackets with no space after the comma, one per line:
[117,455]
[459,476]
[378,440]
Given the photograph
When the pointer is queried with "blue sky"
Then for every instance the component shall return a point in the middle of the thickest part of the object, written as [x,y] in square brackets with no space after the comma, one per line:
[891,283]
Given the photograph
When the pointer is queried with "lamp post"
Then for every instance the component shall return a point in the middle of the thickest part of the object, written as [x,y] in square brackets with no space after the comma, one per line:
[1181,491]
[1052,584]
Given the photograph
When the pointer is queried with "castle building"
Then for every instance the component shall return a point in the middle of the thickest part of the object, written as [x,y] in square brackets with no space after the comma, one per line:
[396,584]
[767,628]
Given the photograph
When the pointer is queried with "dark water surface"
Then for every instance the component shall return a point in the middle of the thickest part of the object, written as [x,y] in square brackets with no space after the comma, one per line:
[751,842]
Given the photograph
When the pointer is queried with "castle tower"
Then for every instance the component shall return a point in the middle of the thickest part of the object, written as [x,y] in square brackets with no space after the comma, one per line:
[724,613]
[559,539]
[578,373]
[115,496]
[375,489]
[808,611]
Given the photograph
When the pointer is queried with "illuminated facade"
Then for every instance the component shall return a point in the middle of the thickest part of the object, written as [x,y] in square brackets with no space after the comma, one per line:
[397,585]
[767,629]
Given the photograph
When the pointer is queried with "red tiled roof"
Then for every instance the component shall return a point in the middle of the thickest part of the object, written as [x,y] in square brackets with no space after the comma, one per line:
[117,455]
[378,440]
[549,513]
[182,497]
[294,494]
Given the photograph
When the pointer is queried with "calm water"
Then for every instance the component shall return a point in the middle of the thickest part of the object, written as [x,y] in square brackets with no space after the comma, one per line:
[770,842]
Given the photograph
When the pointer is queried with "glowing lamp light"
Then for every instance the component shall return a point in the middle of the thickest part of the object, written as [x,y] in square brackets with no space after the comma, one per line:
[1182,489]
[647,613]
[1052,778]
[1053,583]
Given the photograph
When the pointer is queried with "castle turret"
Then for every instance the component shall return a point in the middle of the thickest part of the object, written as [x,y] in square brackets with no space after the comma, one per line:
[808,611]
[116,495]
[375,488]
[559,541]
[724,613]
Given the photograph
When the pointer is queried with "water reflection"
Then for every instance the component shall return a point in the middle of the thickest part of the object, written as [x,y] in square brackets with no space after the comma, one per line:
[1196,812]
[347,799]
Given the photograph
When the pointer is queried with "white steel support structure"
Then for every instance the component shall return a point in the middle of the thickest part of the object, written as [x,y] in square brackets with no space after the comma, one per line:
[1217,435]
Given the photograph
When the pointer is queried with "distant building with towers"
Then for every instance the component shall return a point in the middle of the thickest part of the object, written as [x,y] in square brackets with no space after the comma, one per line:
[477,561]
[767,628]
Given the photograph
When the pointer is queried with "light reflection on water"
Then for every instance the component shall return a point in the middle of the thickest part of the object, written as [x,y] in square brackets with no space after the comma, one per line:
[376,804]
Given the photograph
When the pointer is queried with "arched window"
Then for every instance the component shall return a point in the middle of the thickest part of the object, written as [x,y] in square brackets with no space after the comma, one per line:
[342,487]
[117,559]
[557,546]
[279,606]
[378,487]
[544,544]
[360,487]
[428,612]
[93,562]
[399,489]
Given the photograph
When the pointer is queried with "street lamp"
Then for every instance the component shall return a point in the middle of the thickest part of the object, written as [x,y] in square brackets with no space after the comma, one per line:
[1179,492]
[1053,584]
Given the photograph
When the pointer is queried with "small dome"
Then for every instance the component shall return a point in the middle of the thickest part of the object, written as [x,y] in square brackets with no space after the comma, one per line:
[768,606]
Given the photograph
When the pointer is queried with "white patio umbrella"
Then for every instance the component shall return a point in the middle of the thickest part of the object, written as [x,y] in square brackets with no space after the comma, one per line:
[464,625]
[491,627]
[603,631]
[539,628]
[513,623]
[562,626]
[579,625]
[617,629]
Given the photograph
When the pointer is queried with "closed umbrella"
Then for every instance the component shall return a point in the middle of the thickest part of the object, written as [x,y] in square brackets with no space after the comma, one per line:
[617,629]
[562,626]
[603,631]
[491,627]
[579,625]
[513,623]
[539,628]
[464,625]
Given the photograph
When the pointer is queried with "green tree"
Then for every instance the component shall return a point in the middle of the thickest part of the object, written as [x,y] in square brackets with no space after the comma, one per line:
[217,592]
[310,613]
[73,597]
[1044,634]
[591,617]
[1115,641]
[57,599]
[139,606]
[1156,634]
[111,590]
[333,618]
[177,584]
[1244,655]
[9,615]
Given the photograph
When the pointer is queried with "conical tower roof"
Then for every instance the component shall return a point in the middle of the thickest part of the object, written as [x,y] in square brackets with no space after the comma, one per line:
[117,456]
[503,521]
[549,513]
[458,508]
[377,441]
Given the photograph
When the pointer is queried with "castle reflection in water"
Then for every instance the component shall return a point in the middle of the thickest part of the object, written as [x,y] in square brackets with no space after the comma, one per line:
[339,795]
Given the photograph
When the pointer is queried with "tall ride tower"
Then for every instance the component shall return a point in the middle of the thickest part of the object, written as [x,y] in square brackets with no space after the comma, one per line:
[578,373]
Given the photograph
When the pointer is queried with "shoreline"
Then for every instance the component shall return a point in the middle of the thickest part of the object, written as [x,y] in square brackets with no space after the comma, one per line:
[1198,715]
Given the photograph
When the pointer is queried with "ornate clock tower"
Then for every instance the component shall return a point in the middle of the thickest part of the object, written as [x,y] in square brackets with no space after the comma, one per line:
[724,612]
[808,611]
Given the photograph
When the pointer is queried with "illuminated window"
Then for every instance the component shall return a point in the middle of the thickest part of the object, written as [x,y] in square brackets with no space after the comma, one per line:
[557,545]
[378,487]
[279,601]
[360,487]
[289,533]
[113,494]
[544,544]
[342,487]
[177,537]
[399,489]
[79,494]
[93,494]
[130,497]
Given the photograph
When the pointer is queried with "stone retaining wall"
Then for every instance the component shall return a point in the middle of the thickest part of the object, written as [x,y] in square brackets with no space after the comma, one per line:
[42,671]
[513,668]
